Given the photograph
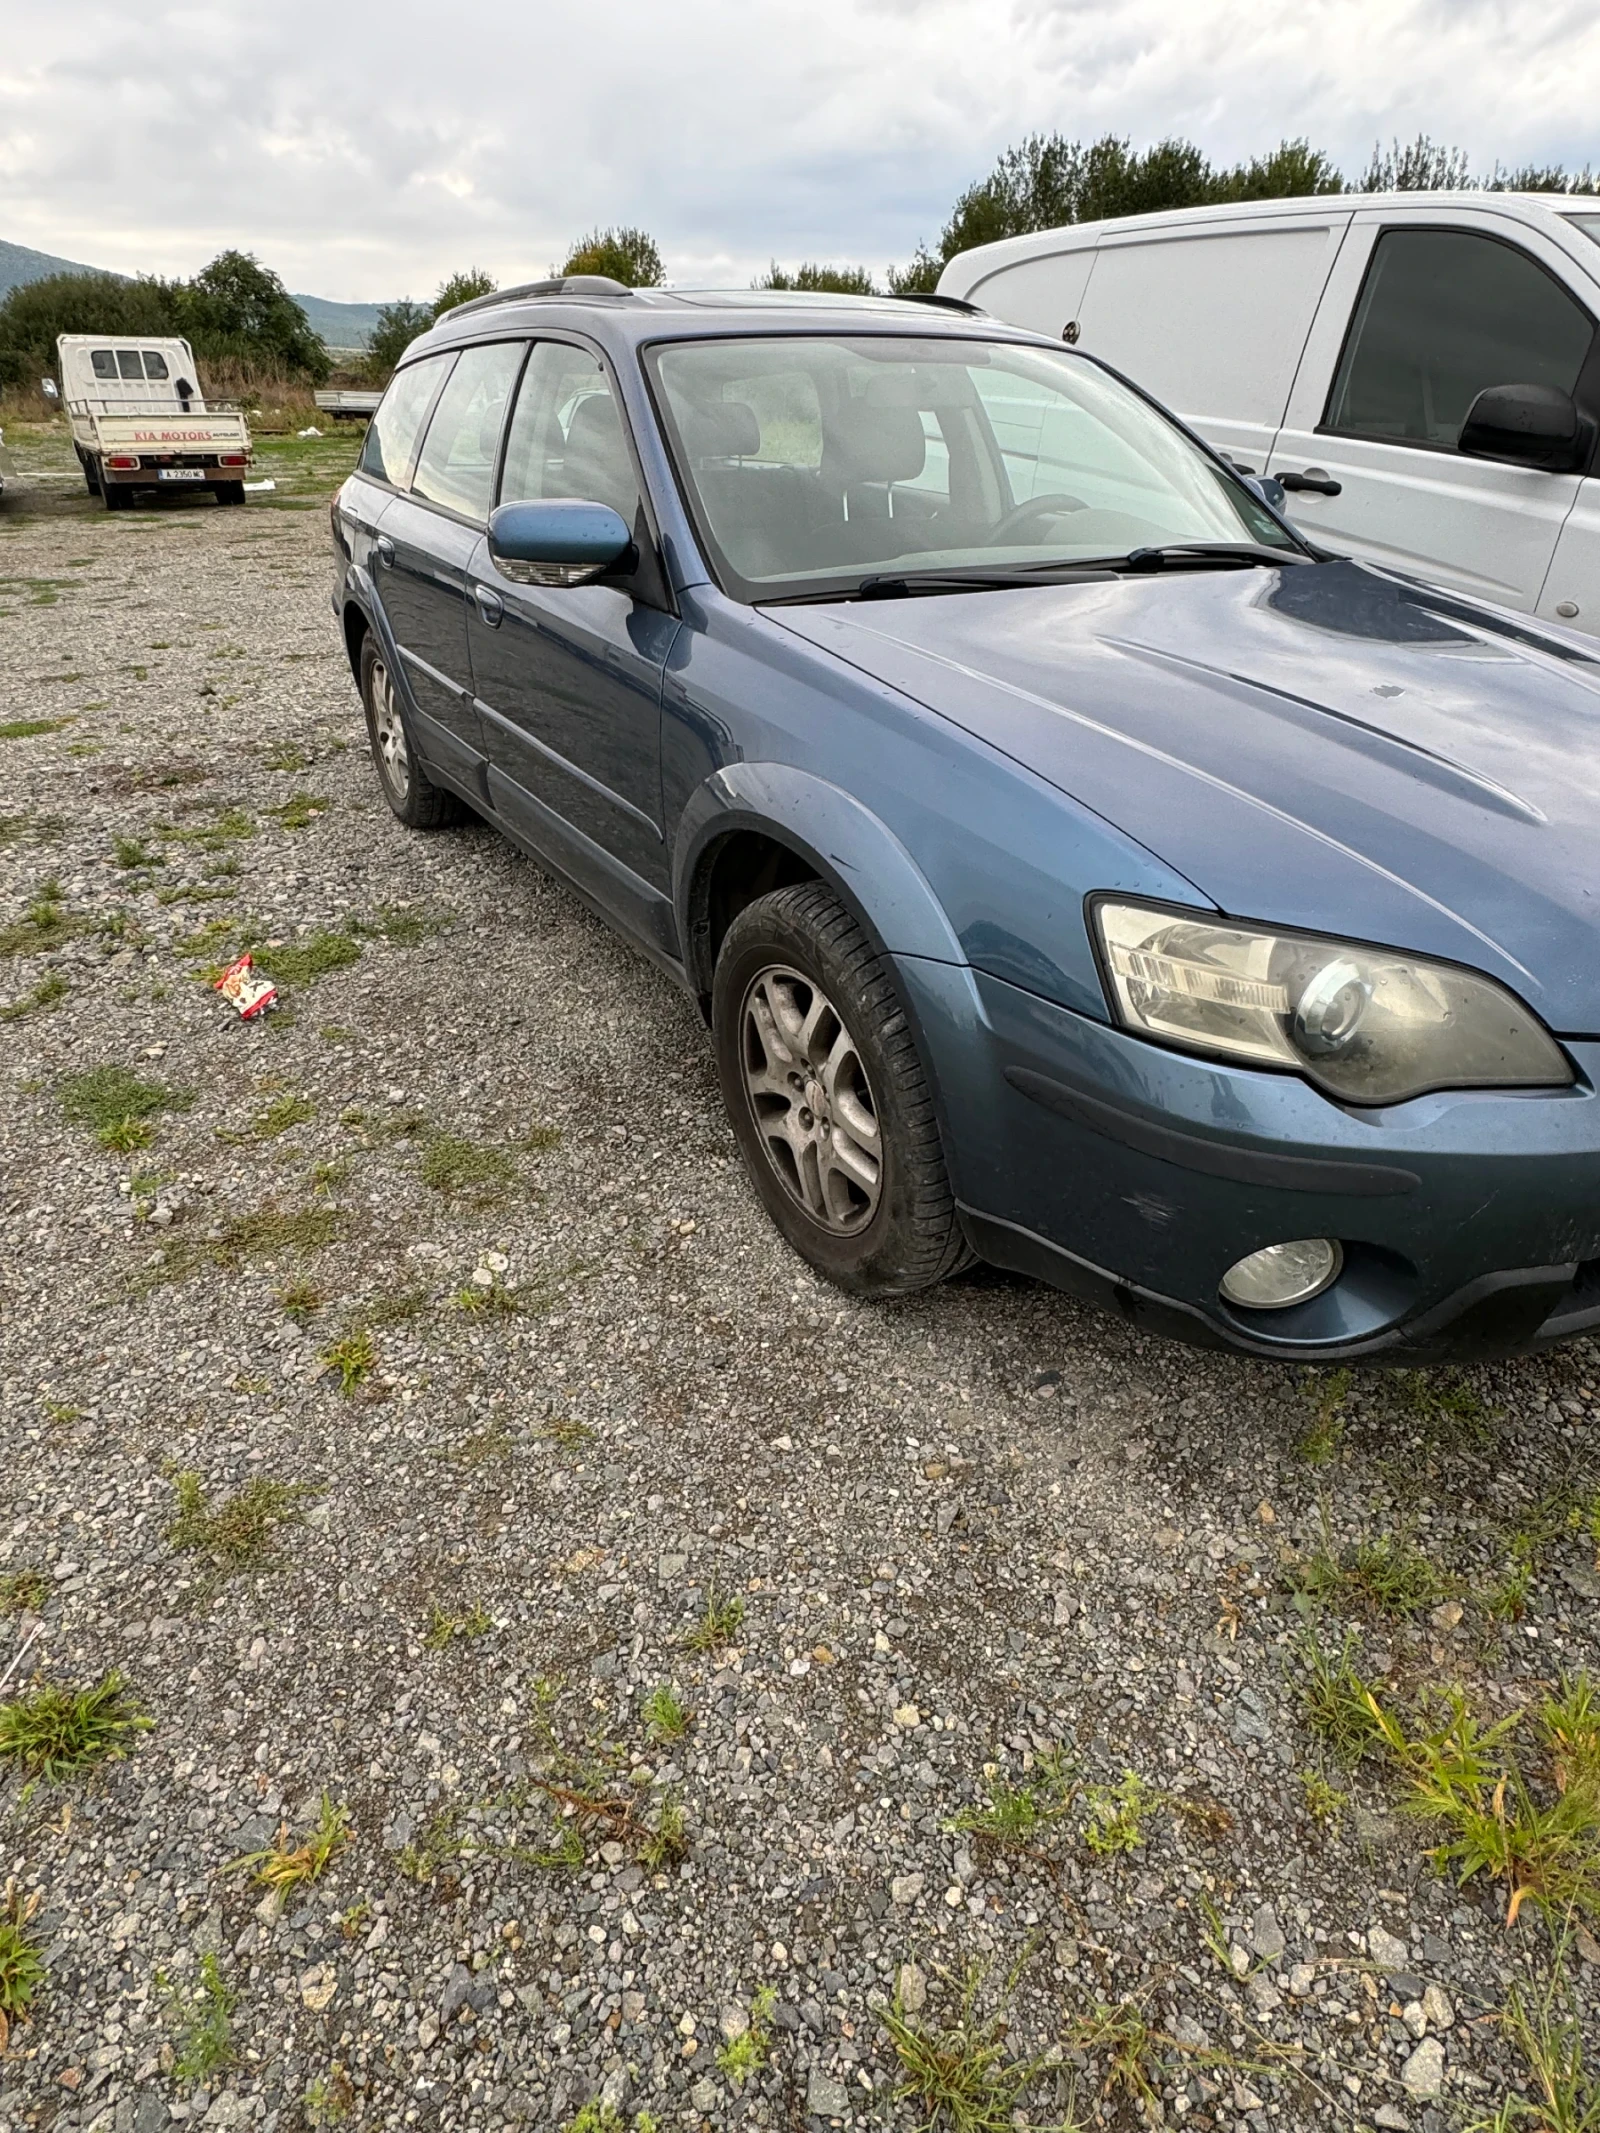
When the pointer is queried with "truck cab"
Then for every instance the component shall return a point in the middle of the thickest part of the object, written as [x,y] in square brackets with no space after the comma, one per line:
[140,420]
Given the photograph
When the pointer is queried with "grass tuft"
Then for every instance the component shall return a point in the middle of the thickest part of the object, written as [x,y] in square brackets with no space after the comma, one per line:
[238,1533]
[745,2055]
[23,1592]
[668,1841]
[117,1106]
[1386,1577]
[288,1865]
[302,962]
[282,1113]
[50,991]
[205,2042]
[463,1169]
[1117,1815]
[21,1965]
[53,1733]
[963,2077]
[444,1628]
[354,1358]
[718,1625]
[1017,1817]
[665,1714]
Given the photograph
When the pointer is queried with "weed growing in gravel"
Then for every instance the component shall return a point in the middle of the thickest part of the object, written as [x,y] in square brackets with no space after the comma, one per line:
[539,1140]
[325,1175]
[397,1310]
[1339,1701]
[746,2054]
[282,1113]
[117,1105]
[1117,1815]
[133,852]
[1547,2031]
[303,961]
[238,1533]
[464,1169]
[1016,1817]
[478,1297]
[265,1233]
[1322,1440]
[1570,1724]
[1447,1406]
[21,1965]
[963,2076]
[27,729]
[668,1842]
[205,2026]
[1386,1576]
[331,2098]
[301,1300]
[398,924]
[718,1625]
[568,1432]
[46,924]
[666,1716]
[230,826]
[52,1734]
[284,1865]
[23,1592]
[1325,1803]
[300,810]
[50,991]
[354,1358]
[598,2116]
[493,1441]
[444,1628]
[288,755]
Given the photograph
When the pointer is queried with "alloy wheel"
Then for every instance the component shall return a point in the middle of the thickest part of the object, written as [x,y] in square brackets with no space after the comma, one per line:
[388,732]
[811,1100]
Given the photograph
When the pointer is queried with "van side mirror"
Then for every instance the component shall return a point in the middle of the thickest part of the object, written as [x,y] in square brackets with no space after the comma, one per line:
[1527,426]
[47,386]
[563,541]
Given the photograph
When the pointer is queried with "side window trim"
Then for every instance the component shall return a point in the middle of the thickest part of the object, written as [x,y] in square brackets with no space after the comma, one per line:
[1587,372]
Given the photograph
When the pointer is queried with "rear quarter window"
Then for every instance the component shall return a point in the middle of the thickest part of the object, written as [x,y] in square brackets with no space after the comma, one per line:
[390,450]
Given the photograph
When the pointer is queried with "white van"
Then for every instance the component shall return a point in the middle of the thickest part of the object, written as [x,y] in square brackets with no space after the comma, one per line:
[1421,371]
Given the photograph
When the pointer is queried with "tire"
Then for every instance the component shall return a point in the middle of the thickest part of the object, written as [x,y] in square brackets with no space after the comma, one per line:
[799,985]
[117,497]
[91,479]
[412,796]
[229,492]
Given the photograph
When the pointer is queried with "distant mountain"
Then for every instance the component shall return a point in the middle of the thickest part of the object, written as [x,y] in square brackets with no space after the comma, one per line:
[341,325]
[20,263]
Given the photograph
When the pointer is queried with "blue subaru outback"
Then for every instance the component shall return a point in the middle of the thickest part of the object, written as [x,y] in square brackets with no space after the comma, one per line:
[1076,870]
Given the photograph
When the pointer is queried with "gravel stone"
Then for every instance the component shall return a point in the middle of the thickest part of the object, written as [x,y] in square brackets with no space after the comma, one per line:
[1423,2073]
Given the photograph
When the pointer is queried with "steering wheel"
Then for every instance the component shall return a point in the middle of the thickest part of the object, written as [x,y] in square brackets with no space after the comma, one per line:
[1021,515]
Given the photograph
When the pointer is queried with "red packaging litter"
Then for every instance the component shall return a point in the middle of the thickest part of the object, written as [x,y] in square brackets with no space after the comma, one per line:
[250,994]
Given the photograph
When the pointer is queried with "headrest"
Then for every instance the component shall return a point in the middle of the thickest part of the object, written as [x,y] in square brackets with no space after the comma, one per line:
[719,429]
[867,443]
[595,426]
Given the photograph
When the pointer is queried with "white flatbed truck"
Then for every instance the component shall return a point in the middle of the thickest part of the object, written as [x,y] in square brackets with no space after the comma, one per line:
[140,421]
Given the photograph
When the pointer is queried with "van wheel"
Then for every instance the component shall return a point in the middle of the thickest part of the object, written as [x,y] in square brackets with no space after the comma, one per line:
[116,496]
[230,492]
[828,1099]
[412,796]
[91,479]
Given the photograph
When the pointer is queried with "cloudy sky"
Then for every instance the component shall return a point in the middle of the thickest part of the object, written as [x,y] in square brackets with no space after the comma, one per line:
[366,148]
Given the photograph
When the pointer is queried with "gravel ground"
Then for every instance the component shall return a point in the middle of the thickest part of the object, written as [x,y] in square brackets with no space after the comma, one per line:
[604,1436]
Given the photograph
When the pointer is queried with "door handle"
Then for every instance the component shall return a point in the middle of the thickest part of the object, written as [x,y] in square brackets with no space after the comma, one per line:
[383,548]
[490,606]
[1317,479]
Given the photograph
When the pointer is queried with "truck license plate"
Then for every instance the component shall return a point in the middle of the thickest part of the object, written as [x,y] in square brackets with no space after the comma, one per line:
[180,473]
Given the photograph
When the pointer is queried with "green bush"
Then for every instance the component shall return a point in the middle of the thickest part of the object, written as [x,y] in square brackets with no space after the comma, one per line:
[627,255]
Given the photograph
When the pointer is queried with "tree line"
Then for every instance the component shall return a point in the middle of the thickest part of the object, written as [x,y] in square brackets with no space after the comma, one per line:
[236,312]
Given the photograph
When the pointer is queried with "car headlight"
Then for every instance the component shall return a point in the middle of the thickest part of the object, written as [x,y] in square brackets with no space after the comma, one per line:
[1368,1026]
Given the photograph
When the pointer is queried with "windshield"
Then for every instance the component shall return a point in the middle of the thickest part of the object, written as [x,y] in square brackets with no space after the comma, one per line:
[815,462]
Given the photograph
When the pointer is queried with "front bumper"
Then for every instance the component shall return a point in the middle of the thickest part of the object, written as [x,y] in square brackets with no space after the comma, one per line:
[1135,1177]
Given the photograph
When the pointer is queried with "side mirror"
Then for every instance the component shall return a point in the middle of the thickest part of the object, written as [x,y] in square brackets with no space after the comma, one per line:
[564,541]
[1527,426]
[1270,490]
[47,386]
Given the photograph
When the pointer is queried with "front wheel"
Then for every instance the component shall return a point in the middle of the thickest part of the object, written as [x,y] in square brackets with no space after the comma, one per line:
[414,798]
[828,1099]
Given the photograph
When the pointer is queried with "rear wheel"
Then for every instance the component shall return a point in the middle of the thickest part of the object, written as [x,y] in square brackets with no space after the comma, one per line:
[230,492]
[412,796]
[117,497]
[828,1099]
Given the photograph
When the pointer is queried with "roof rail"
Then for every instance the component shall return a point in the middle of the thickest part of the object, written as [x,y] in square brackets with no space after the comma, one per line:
[558,285]
[944,303]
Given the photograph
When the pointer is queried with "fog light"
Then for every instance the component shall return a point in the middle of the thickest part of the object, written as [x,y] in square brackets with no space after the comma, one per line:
[1283,1274]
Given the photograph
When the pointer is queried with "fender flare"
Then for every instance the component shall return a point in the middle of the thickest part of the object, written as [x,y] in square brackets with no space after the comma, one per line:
[358,595]
[844,842]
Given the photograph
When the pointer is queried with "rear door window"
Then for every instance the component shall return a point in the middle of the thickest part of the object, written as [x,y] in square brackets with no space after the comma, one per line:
[1443,315]
[390,450]
[456,465]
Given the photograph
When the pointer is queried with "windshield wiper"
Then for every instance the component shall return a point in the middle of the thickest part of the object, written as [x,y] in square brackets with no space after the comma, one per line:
[901,584]
[1205,555]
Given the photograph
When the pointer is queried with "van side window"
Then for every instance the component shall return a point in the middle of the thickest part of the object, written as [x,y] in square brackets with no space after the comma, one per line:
[129,364]
[390,450]
[1443,315]
[155,366]
[104,362]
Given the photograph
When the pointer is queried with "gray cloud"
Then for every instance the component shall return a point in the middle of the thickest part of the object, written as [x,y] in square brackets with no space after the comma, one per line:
[368,149]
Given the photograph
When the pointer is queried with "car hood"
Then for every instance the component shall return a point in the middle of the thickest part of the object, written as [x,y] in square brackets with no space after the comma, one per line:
[1321,746]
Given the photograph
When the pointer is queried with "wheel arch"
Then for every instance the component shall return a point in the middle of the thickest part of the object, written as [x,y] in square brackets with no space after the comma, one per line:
[753,827]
